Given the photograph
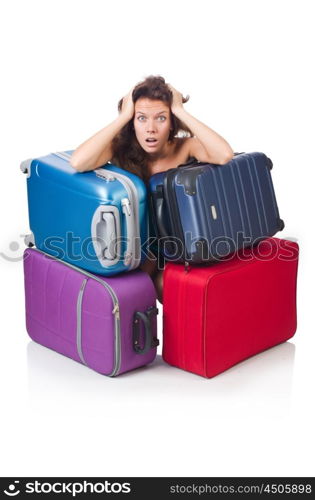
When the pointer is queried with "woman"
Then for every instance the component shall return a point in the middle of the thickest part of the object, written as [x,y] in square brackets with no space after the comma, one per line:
[152,133]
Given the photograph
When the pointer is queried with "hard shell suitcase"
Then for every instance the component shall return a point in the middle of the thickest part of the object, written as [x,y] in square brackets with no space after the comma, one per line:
[217,315]
[109,324]
[203,212]
[95,220]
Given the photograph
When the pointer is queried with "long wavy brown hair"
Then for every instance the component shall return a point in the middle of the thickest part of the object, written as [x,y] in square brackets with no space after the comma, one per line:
[127,152]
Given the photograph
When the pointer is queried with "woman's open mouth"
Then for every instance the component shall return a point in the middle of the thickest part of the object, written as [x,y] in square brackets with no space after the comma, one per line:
[151,142]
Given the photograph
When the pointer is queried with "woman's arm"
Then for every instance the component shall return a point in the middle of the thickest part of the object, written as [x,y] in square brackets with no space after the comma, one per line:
[97,150]
[207,145]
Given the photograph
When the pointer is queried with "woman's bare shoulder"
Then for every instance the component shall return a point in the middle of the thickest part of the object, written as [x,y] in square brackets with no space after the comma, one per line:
[178,154]
[182,148]
[181,142]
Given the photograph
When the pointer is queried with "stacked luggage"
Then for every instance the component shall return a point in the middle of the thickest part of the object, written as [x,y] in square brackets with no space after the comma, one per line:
[85,297]
[229,285]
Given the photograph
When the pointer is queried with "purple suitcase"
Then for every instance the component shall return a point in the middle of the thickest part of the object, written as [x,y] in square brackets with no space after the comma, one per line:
[109,324]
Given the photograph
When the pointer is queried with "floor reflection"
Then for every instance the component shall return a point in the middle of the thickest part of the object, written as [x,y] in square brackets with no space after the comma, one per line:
[258,387]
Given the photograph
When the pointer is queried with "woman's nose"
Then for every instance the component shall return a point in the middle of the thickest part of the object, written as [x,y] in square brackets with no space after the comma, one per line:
[151,126]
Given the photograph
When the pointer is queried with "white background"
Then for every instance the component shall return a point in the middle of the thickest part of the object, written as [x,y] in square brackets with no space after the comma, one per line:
[249,69]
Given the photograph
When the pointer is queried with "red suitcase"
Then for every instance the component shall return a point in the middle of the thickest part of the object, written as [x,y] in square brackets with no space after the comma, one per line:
[215,316]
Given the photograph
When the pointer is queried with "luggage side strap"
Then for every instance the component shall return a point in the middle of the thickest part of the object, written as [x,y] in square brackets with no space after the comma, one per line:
[150,342]
[79,322]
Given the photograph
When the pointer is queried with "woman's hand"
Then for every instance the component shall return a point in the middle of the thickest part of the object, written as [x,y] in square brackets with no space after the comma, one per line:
[178,99]
[128,106]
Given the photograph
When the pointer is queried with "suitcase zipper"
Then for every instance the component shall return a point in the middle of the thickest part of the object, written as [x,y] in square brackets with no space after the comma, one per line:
[115,310]
[79,321]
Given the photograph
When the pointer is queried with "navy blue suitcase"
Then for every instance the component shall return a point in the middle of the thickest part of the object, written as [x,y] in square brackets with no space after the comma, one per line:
[203,212]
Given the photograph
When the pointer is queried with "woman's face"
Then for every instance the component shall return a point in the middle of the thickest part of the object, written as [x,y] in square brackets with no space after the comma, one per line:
[152,123]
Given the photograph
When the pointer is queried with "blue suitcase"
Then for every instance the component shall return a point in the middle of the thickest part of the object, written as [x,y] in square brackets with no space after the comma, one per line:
[95,220]
[203,212]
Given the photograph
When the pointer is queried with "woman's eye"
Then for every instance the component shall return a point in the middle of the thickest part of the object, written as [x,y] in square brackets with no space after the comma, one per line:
[141,118]
[162,118]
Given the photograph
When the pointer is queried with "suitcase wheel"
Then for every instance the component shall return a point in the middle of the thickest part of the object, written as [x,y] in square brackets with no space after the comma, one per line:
[29,240]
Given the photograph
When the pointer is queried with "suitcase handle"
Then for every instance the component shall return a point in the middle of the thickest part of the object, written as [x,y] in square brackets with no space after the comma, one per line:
[190,162]
[150,342]
[194,162]
[104,230]
[159,212]
[128,213]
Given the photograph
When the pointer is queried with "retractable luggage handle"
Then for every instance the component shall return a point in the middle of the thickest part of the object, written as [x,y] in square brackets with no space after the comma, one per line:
[150,341]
